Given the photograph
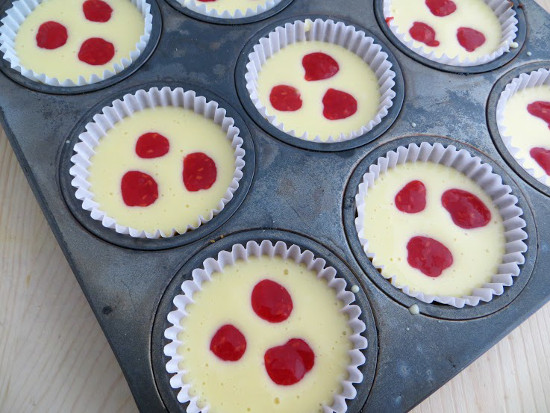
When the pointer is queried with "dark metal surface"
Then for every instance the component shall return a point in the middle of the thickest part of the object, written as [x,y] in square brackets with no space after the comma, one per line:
[304,192]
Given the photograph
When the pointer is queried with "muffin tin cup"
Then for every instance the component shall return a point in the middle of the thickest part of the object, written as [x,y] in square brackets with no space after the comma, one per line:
[326,31]
[524,81]
[320,28]
[492,185]
[130,104]
[79,148]
[508,23]
[203,275]
[514,30]
[17,14]
[502,142]
[251,15]
[238,246]
[518,261]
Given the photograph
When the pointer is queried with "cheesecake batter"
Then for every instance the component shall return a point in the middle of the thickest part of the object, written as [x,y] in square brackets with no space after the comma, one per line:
[526,130]
[176,206]
[354,77]
[243,385]
[474,15]
[476,252]
[123,30]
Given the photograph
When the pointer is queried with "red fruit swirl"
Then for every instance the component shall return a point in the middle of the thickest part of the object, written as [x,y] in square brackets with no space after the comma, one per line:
[441,8]
[423,33]
[288,364]
[199,171]
[96,51]
[228,343]
[285,98]
[271,301]
[338,105]
[138,189]
[428,255]
[541,110]
[466,209]
[97,11]
[411,199]
[319,66]
[152,145]
[51,35]
[470,39]
[542,157]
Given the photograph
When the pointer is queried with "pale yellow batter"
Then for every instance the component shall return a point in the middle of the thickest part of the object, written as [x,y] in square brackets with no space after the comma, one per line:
[477,252]
[176,207]
[244,386]
[354,77]
[475,14]
[124,30]
[525,130]
[229,5]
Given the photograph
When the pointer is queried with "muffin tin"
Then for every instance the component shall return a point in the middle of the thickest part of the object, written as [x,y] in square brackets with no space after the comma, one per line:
[296,191]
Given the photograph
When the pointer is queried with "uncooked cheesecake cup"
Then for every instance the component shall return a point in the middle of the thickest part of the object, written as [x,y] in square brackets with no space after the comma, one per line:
[332,32]
[508,23]
[480,173]
[21,9]
[213,10]
[537,78]
[131,104]
[174,350]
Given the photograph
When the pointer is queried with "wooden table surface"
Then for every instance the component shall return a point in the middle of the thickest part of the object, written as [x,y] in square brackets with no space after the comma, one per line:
[54,357]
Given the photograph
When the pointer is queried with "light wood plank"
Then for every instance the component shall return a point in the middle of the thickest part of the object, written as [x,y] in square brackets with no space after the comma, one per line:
[54,357]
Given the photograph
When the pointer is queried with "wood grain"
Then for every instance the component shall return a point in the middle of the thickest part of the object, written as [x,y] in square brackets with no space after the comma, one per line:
[54,357]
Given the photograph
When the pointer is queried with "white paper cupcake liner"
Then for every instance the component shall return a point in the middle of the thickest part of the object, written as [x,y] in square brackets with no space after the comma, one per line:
[508,23]
[330,32]
[19,12]
[525,80]
[201,8]
[120,109]
[265,248]
[491,183]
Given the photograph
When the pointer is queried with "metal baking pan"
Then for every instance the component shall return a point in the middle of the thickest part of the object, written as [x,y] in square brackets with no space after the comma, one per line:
[297,191]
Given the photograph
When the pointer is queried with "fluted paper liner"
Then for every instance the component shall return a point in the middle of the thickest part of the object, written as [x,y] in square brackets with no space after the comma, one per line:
[508,24]
[525,80]
[19,12]
[129,104]
[265,248]
[326,31]
[491,183]
[201,8]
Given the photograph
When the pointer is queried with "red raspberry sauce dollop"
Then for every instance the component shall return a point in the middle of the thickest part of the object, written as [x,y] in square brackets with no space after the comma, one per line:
[96,51]
[319,66]
[285,98]
[228,344]
[428,255]
[338,105]
[51,35]
[138,189]
[288,364]
[421,32]
[97,11]
[542,157]
[466,209]
[199,171]
[152,145]
[441,8]
[271,301]
[411,199]
[470,39]
[541,110]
